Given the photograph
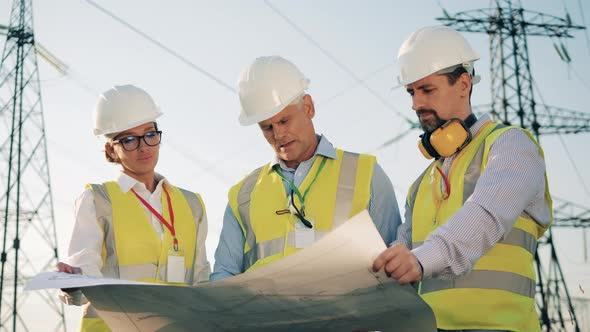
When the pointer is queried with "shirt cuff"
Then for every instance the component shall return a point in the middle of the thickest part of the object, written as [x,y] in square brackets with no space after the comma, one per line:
[432,263]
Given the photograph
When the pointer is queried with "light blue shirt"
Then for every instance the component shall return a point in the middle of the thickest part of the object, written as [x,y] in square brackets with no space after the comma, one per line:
[382,207]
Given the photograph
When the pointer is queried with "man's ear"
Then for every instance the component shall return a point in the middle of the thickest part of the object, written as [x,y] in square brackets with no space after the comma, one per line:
[308,106]
[465,84]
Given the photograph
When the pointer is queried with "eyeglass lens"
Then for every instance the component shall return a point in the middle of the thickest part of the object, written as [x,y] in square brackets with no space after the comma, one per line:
[131,143]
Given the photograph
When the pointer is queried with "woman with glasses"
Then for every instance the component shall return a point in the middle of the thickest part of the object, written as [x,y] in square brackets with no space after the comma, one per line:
[139,226]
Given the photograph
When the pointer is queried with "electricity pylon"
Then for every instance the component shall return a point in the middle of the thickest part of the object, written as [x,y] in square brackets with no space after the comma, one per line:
[29,240]
[513,103]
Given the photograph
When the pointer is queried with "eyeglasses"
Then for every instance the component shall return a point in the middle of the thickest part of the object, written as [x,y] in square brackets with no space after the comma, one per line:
[130,143]
[438,193]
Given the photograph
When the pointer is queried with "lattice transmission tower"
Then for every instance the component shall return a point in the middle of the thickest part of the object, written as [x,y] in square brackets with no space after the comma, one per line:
[513,102]
[29,241]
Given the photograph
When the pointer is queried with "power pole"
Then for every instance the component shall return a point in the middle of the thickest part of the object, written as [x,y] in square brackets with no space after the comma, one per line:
[29,240]
[513,102]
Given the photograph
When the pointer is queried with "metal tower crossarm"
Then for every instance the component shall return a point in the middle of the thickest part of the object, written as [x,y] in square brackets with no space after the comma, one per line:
[568,214]
[551,119]
[529,22]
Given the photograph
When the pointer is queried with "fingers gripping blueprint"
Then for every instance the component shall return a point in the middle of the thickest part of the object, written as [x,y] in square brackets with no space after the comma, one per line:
[329,286]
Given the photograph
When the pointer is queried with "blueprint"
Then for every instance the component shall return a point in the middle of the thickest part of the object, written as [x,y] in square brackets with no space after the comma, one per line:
[328,286]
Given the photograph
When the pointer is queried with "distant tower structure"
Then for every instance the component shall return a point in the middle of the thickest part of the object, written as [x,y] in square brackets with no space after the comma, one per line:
[513,102]
[29,241]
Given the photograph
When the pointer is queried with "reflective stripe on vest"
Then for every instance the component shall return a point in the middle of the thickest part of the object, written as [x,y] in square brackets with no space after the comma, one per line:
[91,322]
[516,237]
[344,201]
[244,207]
[511,282]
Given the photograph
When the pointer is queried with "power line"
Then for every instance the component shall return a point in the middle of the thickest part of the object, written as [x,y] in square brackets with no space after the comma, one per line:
[165,48]
[364,79]
[579,77]
[395,139]
[336,61]
[230,88]
[584,22]
[209,167]
[576,170]
[567,152]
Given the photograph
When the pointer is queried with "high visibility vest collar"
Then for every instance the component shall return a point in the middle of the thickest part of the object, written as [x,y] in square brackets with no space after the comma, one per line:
[340,191]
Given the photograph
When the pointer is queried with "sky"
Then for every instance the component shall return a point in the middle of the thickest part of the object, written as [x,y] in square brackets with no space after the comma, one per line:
[193,57]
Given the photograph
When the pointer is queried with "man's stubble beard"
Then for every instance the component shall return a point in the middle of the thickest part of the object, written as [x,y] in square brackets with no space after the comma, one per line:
[430,125]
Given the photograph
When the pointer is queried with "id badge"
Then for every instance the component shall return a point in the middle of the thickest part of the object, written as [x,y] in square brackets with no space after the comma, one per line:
[304,236]
[175,269]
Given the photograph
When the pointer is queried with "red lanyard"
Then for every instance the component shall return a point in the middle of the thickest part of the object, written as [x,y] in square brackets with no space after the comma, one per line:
[447,192]
[170,225]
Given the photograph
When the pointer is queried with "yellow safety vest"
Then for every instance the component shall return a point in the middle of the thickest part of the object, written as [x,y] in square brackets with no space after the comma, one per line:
[341,190]
[498,294]
[132,250]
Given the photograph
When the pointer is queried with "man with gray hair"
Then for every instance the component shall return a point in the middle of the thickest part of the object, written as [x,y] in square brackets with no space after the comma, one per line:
[308,188]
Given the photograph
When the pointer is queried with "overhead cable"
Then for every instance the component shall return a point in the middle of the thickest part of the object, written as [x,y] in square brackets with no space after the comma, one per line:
[336,61]
[567,152]
[584,23]
[164,47]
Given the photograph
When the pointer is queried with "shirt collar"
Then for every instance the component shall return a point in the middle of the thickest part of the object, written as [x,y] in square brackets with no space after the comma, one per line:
[478,124]
[126,182]
[324,148]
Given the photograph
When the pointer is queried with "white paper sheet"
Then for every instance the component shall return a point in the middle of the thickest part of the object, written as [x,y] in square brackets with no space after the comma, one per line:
[45,280]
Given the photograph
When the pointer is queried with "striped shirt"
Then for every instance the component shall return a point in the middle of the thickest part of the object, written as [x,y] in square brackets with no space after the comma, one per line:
[511,185]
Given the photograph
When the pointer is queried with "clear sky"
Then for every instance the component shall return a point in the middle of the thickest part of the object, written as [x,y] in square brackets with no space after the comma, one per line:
[333,42]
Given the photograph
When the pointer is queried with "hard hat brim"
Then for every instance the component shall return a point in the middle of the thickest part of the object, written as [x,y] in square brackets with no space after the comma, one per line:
[246,120]
[116,130]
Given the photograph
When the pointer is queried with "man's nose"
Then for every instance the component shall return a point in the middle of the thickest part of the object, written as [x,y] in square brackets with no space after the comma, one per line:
[278,131]
[417,103]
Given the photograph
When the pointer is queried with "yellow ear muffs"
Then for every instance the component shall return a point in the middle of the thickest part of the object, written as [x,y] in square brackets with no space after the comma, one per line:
[446,140]
[426,148]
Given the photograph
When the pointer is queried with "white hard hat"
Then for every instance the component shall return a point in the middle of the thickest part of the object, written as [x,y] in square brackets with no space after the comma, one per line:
[435,49]
[123,107]
[267,86]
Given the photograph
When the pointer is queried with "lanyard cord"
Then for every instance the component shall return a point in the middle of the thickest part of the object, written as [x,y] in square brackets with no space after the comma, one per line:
[170,225]
[300,213]
[277,169]
[447,192]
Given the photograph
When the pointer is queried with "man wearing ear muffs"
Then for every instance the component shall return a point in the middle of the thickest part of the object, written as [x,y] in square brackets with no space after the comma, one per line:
[473,217]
